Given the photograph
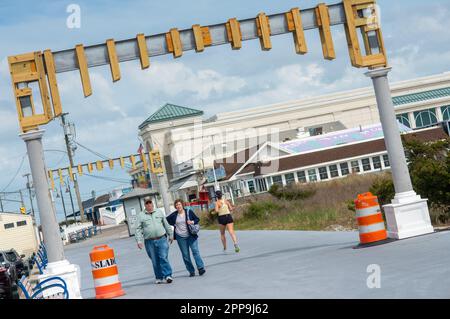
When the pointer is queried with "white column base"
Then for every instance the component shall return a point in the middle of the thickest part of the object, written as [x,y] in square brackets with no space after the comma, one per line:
[408,216]
[67,271]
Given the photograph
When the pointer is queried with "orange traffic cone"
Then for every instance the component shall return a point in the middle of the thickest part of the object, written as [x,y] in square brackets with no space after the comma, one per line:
[105,273]
[370,220]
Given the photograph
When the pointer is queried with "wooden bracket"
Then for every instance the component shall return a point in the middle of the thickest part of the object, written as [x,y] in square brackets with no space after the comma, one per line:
[323,21]
[234,33]
[144,162]
[143,51]
[263,29]
[80,170]
[295,25]
[53,84]
[83,67]
[61,179]
[52,181]
[122,162]
[174,44]
[111,164]
[113,61]
[133,161]
[355,11]
[202,37]
[90,167]
[69,170]
[99,165]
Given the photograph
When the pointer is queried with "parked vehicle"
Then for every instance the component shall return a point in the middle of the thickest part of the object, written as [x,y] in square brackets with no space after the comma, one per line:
[8,286]
[11,257]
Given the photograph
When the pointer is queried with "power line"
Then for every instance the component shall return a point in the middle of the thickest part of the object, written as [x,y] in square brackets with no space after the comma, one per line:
[17,173]
[118,180]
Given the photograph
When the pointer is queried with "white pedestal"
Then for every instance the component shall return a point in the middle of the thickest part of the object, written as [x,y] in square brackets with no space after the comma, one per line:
[408,216]
[67,271]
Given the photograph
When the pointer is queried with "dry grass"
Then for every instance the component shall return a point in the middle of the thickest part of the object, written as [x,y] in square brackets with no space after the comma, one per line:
[326,209]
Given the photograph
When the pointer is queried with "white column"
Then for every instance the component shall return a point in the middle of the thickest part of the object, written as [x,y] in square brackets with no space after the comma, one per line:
[58,265]
[408,214]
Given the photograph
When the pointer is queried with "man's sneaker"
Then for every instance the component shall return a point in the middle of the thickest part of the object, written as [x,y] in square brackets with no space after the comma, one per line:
[169,279]
[192,274]
[201,271]
[158,281]
[236,248]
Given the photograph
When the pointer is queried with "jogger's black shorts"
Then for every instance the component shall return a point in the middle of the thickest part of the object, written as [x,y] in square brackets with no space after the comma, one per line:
[225,219]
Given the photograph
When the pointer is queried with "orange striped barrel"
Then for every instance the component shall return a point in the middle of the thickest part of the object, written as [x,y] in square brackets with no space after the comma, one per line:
[370,220]
[105,273]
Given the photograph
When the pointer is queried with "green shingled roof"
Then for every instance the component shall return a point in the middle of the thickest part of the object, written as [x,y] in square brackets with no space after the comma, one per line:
[422,96]
[170,112]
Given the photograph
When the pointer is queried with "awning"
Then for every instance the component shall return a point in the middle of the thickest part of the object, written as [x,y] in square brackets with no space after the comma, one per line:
[187,182]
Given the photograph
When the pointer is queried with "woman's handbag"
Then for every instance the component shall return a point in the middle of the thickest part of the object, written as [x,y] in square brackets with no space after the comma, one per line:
[193,228]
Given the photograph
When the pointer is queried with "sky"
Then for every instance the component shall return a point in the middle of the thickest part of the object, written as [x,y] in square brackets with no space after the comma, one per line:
[217,80]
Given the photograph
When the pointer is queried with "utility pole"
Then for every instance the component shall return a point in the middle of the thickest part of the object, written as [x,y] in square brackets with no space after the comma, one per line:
[71,199]
[64,205]
[69,153]
[1,203]
[27,175]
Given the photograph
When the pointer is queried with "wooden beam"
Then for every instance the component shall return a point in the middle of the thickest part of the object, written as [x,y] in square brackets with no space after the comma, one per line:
[295,24]
[234,33]
[83,67]
[263,27]
[323,21]
[174,42]
[53,84]
[143,51]
[113,61]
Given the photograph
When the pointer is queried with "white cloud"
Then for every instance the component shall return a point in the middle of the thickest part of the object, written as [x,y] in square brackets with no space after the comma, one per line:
[175,78]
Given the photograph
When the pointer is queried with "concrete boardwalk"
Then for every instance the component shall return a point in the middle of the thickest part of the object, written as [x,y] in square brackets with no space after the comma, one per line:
[282,264]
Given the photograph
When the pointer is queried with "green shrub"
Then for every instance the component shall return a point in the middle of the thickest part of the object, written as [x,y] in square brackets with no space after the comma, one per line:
[261,209]
[383,188]
[292,191]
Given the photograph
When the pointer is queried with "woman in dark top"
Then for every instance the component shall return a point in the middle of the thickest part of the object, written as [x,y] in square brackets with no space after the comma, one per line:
[185,239]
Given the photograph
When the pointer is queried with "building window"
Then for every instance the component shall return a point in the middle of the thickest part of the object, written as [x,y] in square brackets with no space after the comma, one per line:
[290,178]
[277,180]
[376,162]
[386,161]
[425,118]
[323,173]
[315,131]
[261,185]
[355,167]
[366,164]
[334,171]
[445,113]
[403,118]
[21,223]
[301,177]
[312,175]
[344,169]
[251,186]
[9,225]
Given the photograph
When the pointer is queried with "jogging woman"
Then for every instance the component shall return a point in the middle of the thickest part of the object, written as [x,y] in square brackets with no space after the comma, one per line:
[223,209]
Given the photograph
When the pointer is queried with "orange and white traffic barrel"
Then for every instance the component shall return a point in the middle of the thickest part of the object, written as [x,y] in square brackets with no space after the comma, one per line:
[105,273]
[370,219]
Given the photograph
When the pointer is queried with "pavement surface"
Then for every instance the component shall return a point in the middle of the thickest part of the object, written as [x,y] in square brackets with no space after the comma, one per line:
[281,265]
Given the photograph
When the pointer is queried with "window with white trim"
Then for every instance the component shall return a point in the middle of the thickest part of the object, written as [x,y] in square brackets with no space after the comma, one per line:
[344,169]
[301,176]
[277,180]
[261,185]
[312,175]
[323,173]
[355,167]
[290,178]
[366,164]
[386,161]
[376,162]
[9,225]
[425,118]
[404,119]
[334,171]
[21,223]
[445,113]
